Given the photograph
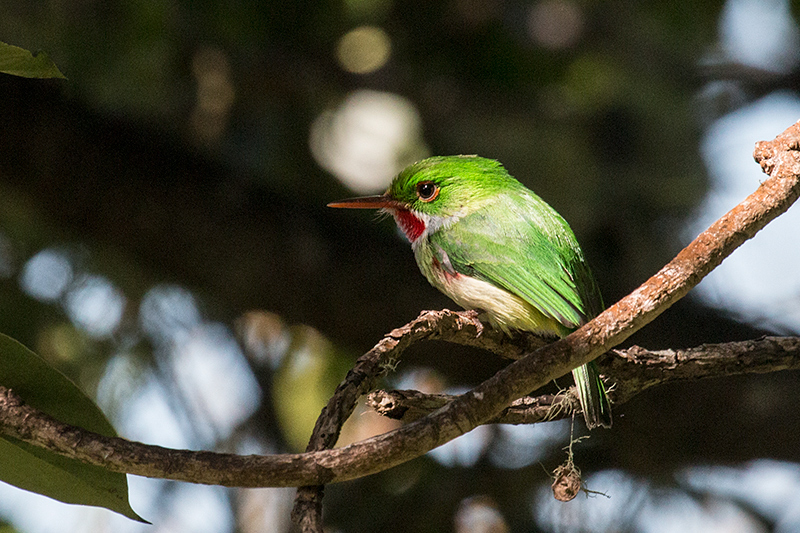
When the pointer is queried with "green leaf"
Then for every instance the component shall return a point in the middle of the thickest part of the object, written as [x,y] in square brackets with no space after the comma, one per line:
[20,62]
[38,470]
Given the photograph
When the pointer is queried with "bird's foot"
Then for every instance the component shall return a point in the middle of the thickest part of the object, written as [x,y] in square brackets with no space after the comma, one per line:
[473,316]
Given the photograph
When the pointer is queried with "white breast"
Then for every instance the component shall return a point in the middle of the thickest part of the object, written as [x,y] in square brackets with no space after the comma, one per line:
[505,310]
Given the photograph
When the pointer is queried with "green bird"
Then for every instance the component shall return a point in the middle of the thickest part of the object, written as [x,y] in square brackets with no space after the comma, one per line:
[491,244]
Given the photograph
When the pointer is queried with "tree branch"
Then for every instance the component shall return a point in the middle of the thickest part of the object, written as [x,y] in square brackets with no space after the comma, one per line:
[486,401]
[632,371]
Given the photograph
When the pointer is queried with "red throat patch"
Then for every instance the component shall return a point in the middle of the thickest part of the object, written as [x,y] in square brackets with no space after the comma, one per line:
[410,224]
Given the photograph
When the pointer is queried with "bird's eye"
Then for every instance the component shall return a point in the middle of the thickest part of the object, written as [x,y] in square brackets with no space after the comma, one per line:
[427,191]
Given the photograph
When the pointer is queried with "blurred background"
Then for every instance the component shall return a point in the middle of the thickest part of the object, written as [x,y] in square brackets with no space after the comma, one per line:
[164,241]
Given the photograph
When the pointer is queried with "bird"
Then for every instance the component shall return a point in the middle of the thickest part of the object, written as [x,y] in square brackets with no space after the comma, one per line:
[492,245]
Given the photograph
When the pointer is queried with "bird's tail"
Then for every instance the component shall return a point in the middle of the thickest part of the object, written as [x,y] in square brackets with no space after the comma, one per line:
[592,396]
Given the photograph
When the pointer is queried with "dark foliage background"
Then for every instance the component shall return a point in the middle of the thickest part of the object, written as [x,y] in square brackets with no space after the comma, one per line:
[164,239]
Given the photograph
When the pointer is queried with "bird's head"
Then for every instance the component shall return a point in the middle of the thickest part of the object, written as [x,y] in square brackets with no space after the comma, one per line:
[436,191]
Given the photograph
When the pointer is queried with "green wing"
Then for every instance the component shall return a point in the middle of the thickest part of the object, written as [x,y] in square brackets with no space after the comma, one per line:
[522,245]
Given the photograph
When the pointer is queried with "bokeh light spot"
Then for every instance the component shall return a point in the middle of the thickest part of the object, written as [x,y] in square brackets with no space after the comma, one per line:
[479,514]
[215,94]
[212,371]
[769,487]
[555,24]
[760,33]
[368,139]
[46,275]
[465,450]
[522,445]
[168,313]
[95,305]
[363,50]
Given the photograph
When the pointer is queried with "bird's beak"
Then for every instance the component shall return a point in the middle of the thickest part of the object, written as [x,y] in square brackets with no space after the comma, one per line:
[366,202]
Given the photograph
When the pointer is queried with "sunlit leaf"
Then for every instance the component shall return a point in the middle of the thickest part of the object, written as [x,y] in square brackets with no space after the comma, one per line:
[38,470]
[20,62]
